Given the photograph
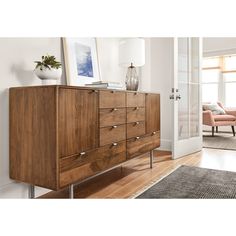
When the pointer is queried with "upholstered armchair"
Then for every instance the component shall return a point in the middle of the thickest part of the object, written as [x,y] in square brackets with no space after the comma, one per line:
[227,119]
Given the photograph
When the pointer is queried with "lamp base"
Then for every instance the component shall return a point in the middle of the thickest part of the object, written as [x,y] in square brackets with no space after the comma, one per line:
[132,80]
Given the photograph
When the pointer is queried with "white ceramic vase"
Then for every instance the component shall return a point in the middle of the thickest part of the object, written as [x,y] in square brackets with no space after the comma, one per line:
[48,76]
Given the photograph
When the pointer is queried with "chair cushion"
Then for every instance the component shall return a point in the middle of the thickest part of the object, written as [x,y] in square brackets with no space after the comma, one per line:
[224,118]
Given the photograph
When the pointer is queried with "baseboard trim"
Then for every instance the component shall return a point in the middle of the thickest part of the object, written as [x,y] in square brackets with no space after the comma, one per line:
[166,145]
[19,190]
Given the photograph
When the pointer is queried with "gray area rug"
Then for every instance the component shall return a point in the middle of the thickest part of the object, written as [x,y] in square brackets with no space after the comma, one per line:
[194,182]
[219,141]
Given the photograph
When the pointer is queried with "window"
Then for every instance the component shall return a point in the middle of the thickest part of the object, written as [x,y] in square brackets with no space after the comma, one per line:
[219,80]
[210,80]
[229,79]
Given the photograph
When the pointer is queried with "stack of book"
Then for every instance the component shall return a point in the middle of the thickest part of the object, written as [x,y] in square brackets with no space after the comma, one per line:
[108,85]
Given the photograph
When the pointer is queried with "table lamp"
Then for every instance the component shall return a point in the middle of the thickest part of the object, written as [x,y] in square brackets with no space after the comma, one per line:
[132,55]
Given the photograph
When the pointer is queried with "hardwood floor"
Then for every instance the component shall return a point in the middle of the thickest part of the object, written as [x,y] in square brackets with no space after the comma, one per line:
[131,177]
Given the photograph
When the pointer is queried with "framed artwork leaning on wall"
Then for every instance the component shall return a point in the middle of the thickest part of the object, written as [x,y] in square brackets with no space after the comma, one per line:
[81,61]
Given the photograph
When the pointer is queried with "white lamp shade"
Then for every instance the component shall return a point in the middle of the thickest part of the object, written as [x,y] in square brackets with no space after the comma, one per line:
[132,51]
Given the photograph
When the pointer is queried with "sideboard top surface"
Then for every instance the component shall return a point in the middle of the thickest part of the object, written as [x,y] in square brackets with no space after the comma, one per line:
[80,87]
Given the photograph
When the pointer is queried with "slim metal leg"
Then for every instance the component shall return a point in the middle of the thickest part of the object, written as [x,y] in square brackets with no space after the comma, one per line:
[151,158]
[71,191]
[31,191]
[212,131]
[233,130]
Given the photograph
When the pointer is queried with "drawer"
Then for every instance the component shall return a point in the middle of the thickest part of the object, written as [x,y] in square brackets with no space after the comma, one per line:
[111,99]
[112,134]
[135,99]
[112,116]
[135,114]
[136,147]
[79,167]
[135,129]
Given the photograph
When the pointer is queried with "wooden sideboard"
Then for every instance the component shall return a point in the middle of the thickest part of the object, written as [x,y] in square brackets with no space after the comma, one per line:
[61,135]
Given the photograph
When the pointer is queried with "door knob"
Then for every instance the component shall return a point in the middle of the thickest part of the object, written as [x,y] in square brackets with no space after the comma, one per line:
[178,97]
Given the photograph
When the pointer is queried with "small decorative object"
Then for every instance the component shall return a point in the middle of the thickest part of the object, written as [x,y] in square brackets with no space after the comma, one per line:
[132,55]
[81,61]
[48,69]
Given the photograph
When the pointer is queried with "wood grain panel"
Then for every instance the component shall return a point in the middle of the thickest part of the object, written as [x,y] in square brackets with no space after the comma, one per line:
[74,169]
[152,112]
[112,116]
[135,114]
[78,121]
[135,99]
[136,129]
[110,135]
[142,145]
[33,146]
[111,99]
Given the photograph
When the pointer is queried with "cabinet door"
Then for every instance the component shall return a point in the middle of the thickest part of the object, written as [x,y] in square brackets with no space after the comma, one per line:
[78,121]
[152,113]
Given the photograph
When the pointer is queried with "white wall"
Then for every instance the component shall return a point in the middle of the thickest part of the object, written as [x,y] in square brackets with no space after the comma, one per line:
[108,53]
[161,81]
[17,56]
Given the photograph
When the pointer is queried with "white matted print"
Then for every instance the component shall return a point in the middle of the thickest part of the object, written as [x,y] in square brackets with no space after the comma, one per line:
[81,61]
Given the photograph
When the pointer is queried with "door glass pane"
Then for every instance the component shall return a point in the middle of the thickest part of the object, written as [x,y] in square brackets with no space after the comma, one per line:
[194,88]
[194,110]
[183,111]
[183,60]
[183,105]
[188,84]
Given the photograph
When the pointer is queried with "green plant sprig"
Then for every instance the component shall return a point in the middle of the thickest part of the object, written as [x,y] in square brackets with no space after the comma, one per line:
[48,62]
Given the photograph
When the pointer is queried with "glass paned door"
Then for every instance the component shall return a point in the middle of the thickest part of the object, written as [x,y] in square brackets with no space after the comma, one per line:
[186,96]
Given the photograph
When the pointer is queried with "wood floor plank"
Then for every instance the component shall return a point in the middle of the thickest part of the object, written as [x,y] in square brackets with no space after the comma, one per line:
[134,175]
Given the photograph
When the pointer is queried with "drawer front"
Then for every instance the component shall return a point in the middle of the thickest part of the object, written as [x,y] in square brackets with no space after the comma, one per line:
[111,99]
[112,116]
[135,114]
[135,129]
[112,134]
[136,147]
[79,167]
[135,99]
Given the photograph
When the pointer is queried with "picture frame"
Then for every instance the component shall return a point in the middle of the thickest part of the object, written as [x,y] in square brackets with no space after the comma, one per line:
[81,61]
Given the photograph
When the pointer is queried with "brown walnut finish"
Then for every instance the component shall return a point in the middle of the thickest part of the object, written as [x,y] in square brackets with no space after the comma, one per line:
[62,134]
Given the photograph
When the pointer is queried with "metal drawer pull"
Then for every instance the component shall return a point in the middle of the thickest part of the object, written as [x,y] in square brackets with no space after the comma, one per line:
[114,109]
[137,123]
[137,138]
[114,144]
[82,153]
[136,108]
[154,132]
[95,91]
[114,126]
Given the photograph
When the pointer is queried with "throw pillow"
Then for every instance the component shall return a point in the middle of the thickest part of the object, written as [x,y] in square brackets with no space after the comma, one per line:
[214,108]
